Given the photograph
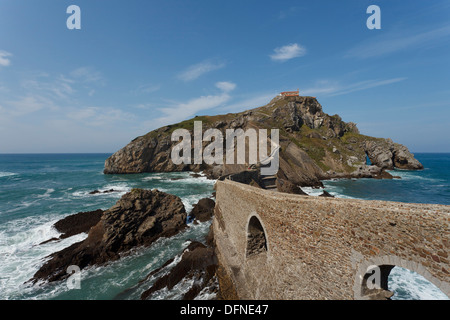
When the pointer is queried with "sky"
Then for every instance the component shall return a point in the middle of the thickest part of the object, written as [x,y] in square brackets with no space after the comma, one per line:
[137,65]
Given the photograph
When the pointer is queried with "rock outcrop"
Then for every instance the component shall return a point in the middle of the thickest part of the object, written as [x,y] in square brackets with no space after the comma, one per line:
[198,262]
[80,222]
[137,219]
[386,154]
[203,210]
[313,145]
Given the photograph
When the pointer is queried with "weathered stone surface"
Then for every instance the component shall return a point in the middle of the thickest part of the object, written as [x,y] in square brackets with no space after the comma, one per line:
[389,155]
[323,248]
[137,219]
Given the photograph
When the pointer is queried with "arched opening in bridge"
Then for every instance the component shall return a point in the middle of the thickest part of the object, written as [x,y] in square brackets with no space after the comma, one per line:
[256,238]
[396,283]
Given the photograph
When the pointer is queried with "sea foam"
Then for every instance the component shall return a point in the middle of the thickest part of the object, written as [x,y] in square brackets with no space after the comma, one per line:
[7,174]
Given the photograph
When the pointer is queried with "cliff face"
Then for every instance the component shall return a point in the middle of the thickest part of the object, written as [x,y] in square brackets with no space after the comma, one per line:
[313,145]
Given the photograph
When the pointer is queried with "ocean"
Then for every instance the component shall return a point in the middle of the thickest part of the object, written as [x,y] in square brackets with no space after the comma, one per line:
[36,190]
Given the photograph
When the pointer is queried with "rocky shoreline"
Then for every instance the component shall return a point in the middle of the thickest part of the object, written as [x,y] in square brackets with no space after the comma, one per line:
[138,219]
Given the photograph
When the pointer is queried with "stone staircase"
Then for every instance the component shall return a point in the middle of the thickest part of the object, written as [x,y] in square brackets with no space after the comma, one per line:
[269,182]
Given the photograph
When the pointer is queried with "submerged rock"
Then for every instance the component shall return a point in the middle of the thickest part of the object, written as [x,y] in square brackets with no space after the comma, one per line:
[106,191]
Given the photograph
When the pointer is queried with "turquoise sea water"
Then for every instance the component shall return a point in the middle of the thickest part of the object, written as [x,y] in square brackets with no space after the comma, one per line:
[430,185]
[38,190]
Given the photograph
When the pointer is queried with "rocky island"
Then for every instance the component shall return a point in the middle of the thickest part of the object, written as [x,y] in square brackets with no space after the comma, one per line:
[314,146]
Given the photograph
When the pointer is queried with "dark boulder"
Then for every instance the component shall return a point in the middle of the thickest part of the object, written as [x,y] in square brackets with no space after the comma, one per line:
[78,223]
[203,210]
[106,191]
[198,262]
[325,194]
[288,187]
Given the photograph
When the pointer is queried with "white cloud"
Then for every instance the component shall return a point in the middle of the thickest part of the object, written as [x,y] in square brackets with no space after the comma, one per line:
[188,109]
[181,111]
[197,70]
[394,42]
[144,106]
[96,116]
[332,88]
[177,111]
[87,75]
[27,105]
[81,81]
[288,52]
[147,88]
[58,88]
[4,61]
[226,86]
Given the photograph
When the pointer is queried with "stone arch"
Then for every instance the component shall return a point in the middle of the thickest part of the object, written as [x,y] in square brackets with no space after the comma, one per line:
[256,237]
[371,281]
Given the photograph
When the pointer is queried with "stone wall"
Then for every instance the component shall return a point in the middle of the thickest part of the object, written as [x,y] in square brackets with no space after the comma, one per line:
[324,248]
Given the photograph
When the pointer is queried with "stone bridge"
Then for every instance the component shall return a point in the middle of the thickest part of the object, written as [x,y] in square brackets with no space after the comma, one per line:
[281,246]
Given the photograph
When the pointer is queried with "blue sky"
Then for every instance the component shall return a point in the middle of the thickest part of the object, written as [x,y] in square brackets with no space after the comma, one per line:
[137,65]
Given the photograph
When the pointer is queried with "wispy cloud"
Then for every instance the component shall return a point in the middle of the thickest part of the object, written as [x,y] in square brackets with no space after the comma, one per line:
[53,88]
[87,75]
[289,12]
[147,88]
[43,94]
[226,86]
[288,52]
[4,61]
[394,42]
[26,105]
[100,116]
[182,111]
[332,88]
[64,86]
[195,71]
